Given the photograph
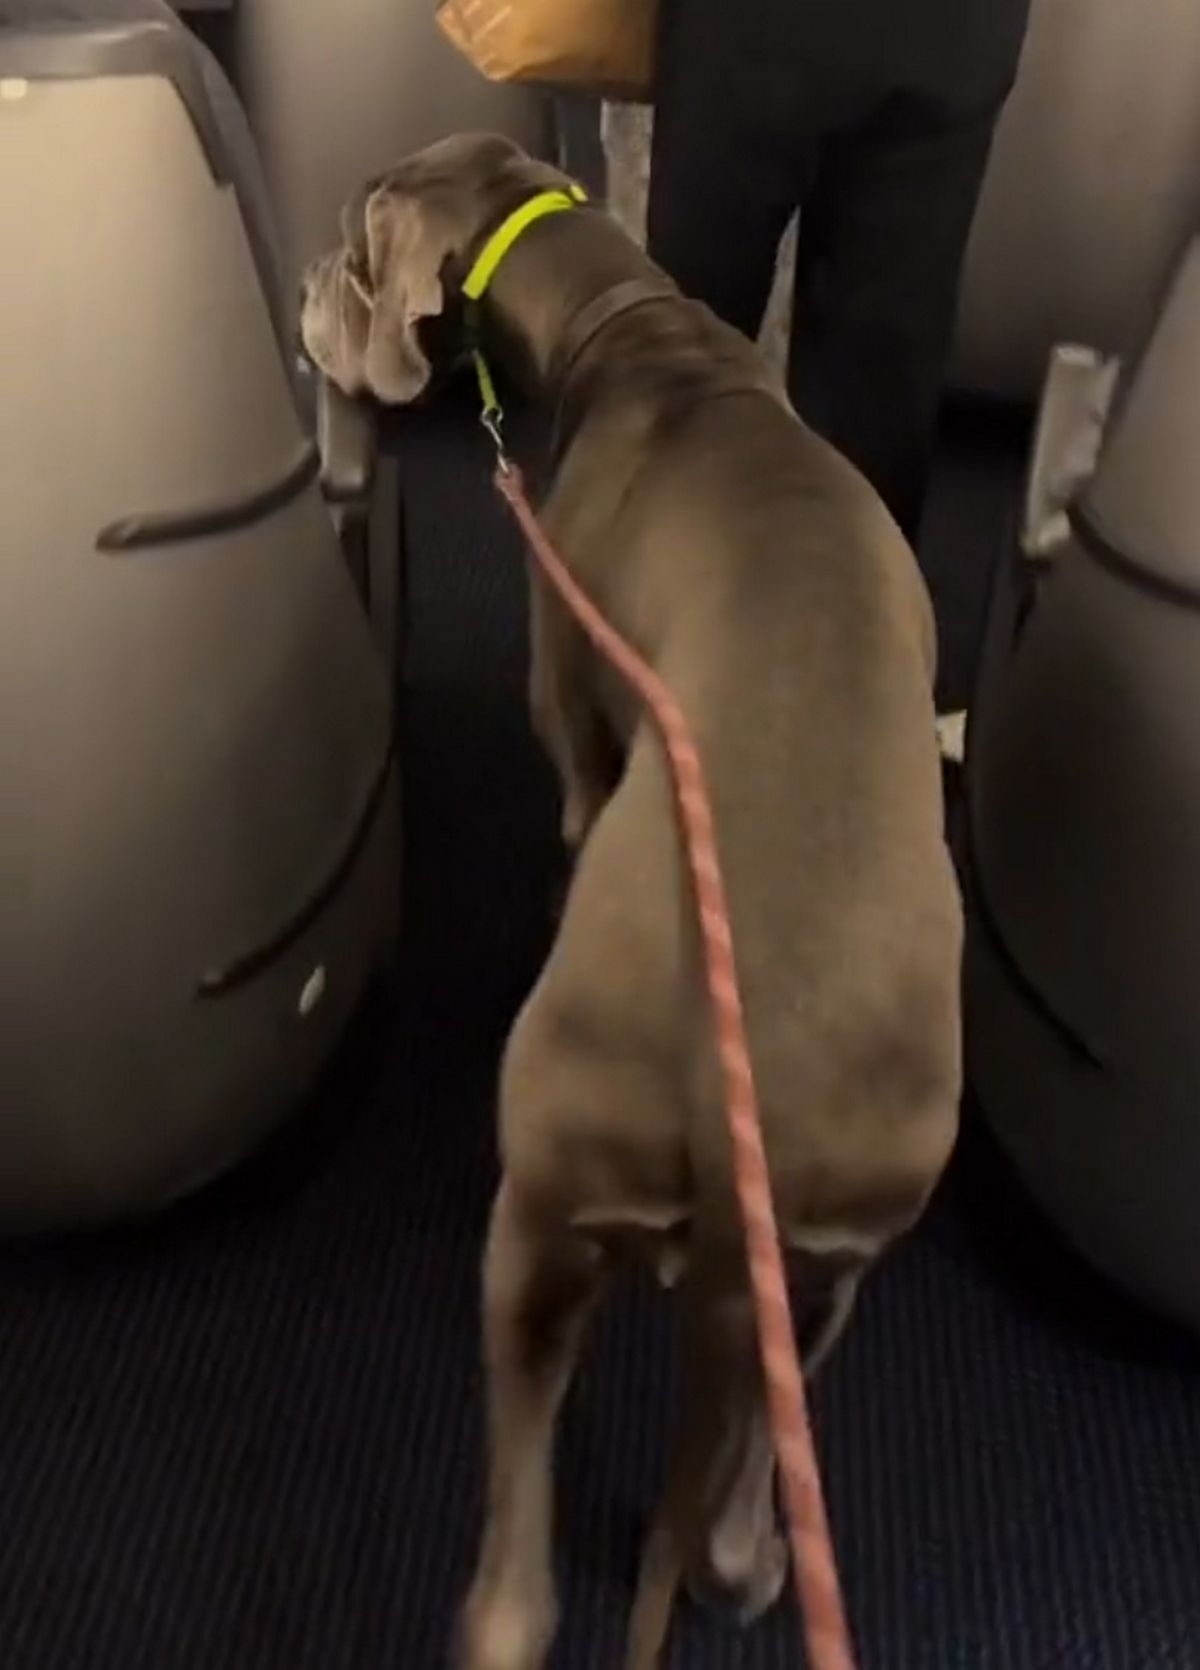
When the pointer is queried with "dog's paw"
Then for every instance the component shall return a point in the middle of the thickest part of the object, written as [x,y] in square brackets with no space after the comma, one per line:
[503,1631]
[742,1585]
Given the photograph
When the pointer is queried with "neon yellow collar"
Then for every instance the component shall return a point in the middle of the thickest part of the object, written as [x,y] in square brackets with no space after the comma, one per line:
[506,235]
[483,271]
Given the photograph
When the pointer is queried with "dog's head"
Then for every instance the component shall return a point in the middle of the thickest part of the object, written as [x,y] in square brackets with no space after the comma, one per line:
[381,310]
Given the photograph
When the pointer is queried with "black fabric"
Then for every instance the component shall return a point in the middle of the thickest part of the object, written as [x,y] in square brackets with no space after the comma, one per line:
[248,1439]
[875,119]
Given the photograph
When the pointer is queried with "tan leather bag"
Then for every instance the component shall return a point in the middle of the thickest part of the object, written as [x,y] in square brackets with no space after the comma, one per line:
[605,47]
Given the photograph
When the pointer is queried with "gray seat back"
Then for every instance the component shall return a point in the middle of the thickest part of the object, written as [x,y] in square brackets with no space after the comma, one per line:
[1093,190]
[194,726]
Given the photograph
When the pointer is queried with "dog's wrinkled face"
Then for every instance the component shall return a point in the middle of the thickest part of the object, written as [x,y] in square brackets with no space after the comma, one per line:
[406,241]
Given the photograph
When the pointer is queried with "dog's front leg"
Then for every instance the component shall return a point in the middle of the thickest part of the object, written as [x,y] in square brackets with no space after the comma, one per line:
[539,1286]
[572,730]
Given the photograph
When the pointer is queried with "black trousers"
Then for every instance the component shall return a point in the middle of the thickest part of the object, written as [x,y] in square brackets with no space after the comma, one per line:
[581,142]
[875,119]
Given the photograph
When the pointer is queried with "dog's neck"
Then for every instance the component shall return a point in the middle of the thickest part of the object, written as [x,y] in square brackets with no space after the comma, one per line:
[544,287]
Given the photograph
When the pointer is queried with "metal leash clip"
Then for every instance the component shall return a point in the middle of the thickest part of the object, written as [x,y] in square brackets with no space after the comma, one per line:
[491,414]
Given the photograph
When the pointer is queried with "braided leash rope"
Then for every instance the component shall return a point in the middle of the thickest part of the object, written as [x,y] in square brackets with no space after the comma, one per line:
[814,1568]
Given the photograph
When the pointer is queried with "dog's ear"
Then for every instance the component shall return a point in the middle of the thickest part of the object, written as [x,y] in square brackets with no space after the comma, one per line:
[407,242]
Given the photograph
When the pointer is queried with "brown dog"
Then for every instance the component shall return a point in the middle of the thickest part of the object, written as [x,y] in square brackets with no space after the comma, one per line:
[763,579]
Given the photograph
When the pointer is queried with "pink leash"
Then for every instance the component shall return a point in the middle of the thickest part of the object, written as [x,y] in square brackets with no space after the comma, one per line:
[814,1567]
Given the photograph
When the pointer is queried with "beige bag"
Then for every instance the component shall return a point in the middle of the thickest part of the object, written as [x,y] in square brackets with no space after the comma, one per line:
[603,46]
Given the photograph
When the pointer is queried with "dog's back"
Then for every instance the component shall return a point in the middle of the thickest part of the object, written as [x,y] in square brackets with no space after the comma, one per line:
[771,590]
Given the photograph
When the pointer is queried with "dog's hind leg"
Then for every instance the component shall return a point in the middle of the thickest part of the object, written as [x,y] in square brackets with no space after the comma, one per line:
[746,1557]
[540,1283]
[824,1312]
[722,1408]
[743,1564]
[717,1524]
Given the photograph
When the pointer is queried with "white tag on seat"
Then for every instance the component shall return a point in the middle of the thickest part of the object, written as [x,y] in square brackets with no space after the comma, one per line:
[1076,399]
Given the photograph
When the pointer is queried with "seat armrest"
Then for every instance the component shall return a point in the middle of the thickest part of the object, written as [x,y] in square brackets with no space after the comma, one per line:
[348,444]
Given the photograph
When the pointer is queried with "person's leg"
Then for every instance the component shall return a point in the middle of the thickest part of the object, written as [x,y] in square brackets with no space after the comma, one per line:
[883,233]
[722,184]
